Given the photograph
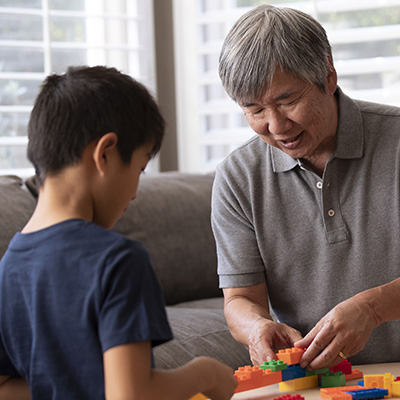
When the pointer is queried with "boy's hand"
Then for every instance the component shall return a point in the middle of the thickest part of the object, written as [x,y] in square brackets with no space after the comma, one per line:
[225,382]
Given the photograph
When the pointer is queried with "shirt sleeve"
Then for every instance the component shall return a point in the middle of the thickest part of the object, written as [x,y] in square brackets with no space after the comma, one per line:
[239,260]
[133,308]
[6,368]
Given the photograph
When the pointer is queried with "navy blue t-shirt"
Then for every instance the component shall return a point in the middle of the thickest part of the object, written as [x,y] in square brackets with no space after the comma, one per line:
[67,294]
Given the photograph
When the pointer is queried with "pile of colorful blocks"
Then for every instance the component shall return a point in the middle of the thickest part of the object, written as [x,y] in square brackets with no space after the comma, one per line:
[372,387]
[287,372]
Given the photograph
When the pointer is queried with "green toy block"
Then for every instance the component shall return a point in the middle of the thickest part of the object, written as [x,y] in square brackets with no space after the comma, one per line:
[331,379]
[317,371]
[273,365]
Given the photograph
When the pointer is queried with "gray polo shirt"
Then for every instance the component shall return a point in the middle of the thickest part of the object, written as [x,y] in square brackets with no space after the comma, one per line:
[316,242]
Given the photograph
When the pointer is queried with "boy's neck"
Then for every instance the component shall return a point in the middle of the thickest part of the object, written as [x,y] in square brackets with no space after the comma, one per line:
[62,197]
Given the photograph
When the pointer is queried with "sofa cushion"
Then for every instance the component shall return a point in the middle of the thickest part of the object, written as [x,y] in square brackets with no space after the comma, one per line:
[16,205]
[199,332]
[171,217]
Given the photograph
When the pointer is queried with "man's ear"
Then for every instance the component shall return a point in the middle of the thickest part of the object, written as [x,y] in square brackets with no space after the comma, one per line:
[104,149]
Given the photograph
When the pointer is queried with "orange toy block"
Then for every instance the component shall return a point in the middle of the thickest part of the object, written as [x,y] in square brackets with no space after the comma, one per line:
[338,393]
[306,382]
[199,396]
[249,377]
[355,374]
[290,356]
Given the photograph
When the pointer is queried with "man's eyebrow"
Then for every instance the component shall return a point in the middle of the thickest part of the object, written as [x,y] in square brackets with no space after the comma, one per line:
[282,96]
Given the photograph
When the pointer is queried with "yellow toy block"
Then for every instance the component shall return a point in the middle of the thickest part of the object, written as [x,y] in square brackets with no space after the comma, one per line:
[381,381]
[396,389]
[373,381]
[300,383]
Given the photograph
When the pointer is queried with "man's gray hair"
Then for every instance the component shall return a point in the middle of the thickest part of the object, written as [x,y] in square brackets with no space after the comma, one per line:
[268,37]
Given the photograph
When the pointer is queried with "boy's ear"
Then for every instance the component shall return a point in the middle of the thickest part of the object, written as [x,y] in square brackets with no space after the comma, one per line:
[104,149]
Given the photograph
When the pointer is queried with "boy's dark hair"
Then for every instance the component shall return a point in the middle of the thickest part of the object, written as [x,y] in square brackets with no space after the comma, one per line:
[82,105]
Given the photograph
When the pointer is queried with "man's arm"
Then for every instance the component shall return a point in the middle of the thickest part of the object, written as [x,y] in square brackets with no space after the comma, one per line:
[347,327]
[128,375]
[251,324]
[14,388]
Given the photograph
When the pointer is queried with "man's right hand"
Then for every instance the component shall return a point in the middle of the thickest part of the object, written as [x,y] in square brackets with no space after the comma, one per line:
[251,324]
[268,337]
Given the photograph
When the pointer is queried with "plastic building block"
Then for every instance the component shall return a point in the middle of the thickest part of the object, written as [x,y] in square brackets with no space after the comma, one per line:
[290,397]
[339,393]
[355,374]
[249,377]
[274,365]
[368,394]
[333,379]
[344,366]
[374,381]
[199,396]
[396,388]
[293,372]
[306,382]
[317,371]
[382,381]
[290,356]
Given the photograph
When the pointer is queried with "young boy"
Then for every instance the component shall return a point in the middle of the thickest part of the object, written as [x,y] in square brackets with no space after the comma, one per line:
[80,307]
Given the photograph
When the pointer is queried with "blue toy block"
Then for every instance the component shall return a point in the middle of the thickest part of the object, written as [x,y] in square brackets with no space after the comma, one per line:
[368,394]
[293,372]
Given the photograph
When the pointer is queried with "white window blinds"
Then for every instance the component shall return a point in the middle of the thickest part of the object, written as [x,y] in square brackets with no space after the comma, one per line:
[39,37]
[365,37]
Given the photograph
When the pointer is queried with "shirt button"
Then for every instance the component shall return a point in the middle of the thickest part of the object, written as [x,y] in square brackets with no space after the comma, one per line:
[331,213]
[319,185]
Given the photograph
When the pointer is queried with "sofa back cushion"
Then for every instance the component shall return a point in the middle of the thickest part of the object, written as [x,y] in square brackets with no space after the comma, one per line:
[16,207]
[171,218]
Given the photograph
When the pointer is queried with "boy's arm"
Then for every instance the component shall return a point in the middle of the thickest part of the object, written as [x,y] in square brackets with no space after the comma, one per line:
[128,375]
[14,388]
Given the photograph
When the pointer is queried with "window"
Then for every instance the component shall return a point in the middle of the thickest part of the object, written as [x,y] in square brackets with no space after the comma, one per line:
[39,37]
[365,37]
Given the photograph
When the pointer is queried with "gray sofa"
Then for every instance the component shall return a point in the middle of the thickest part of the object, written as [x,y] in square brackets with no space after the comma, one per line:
[171,217]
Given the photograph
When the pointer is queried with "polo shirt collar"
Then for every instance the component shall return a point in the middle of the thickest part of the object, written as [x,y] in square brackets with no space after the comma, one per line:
[350,141]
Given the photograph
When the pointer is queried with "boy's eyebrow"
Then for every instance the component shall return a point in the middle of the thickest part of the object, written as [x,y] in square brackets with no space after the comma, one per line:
[282,96]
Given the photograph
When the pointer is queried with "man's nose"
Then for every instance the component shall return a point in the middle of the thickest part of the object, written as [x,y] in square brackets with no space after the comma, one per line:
[277,123]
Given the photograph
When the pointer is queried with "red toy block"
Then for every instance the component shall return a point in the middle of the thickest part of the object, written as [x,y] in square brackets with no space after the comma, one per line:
[290,397]
[290,356]
[344,367]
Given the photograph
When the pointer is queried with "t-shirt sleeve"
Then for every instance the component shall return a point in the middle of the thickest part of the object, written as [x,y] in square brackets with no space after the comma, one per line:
[239,260]
[133,308]
[6,367]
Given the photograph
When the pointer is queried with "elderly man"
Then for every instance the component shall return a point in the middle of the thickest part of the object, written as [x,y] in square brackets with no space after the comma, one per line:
[306,214]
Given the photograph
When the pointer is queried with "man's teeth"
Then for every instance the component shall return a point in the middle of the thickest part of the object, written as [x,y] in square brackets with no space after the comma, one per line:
[291,140]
